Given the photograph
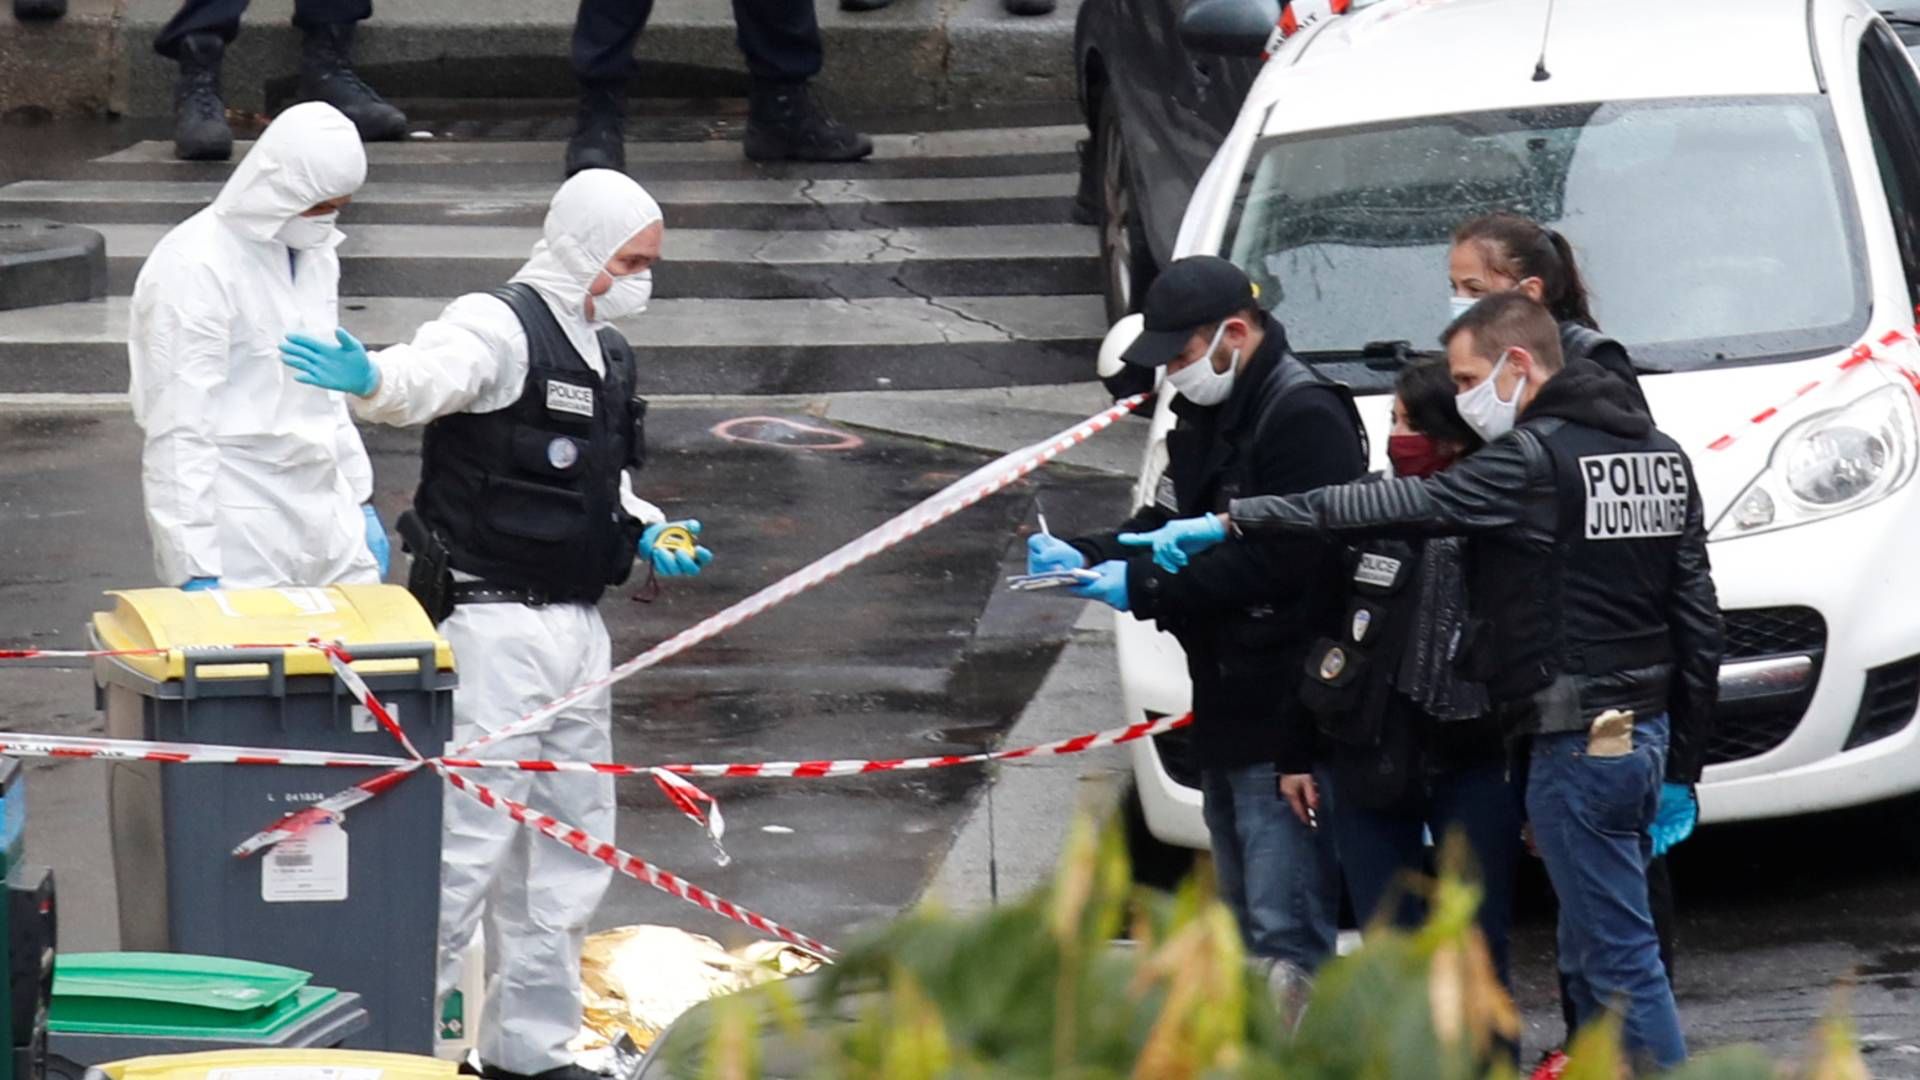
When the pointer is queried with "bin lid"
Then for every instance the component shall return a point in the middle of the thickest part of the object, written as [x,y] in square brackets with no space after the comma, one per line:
[177,995]
[225,618]
[282,1064]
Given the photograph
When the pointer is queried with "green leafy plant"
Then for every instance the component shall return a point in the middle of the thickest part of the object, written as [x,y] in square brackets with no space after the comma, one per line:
[1043,988]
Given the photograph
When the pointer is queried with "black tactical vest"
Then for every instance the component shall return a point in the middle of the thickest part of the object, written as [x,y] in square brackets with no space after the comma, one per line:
[1594,601]
[528,497]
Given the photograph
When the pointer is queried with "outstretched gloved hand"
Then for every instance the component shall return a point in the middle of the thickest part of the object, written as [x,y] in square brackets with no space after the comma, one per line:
[377,539]
[672,561]
[200,584]
[1110,588]
[1173,542]
[345,367]
[1044,553]
[1673,821]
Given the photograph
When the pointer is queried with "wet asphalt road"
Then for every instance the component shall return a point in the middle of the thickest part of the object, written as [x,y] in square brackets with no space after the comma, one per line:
[914,653]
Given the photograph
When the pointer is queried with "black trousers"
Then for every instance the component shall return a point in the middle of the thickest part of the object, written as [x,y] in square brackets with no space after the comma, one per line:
[223,17]
[779,38]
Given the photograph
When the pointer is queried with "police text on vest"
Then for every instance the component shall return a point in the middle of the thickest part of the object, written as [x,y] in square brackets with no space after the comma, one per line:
[569,398]
[1635,496]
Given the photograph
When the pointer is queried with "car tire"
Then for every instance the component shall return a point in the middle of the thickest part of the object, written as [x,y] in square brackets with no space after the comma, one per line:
[1127,266]
[1156,863]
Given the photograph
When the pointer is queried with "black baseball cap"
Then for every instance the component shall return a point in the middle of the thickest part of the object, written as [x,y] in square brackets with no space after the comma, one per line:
[1194,292]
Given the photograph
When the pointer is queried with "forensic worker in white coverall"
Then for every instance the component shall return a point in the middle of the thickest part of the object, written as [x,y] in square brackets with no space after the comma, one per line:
[525,514]
[252,479]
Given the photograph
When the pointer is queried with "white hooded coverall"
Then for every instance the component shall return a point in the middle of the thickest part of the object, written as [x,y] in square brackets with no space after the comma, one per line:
[513,658]
[249,476]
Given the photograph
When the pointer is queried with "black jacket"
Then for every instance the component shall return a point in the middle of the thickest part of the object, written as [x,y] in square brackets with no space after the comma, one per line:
[1509,497]
[1584,342]
[1244,613]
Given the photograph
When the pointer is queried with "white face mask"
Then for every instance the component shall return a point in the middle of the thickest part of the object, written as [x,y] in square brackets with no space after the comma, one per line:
[1459,305]
[304,233]
[1482,408]
[1199,383]
[629,296]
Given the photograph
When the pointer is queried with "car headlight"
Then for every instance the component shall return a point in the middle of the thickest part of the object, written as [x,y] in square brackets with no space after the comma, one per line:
[1831,463]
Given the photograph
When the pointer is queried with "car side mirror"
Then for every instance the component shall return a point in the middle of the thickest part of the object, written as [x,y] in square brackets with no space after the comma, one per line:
[1229,27]
[1120,338]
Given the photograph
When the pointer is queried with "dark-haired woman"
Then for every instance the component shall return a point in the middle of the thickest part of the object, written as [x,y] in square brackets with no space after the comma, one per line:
[1405,743]
[1501,252]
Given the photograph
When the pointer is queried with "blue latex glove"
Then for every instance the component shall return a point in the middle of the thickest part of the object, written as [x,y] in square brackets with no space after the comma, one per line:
[1678,813]
[377,539]
[200,584]
[344,367]
[1044,553]
[1174,541]
[669,563]
[1110,588]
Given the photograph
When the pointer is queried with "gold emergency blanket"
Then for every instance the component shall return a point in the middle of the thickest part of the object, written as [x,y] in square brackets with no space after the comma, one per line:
[635,980]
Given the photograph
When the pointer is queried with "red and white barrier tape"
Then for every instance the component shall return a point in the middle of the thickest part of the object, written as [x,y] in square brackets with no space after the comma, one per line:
[77,746]
[936,508]
[629,864]
[336,804]
[825,769]
[339,659]
[1861,355]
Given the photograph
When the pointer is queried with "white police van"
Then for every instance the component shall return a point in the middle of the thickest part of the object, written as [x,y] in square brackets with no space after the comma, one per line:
[1741,180]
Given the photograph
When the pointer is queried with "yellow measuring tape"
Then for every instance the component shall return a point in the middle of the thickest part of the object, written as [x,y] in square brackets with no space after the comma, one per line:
[675,538]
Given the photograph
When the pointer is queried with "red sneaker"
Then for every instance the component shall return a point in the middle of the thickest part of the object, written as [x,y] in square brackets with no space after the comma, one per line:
[1552,1065]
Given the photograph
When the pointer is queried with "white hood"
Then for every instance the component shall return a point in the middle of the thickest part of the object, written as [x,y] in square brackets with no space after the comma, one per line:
[592,216]
[309,154]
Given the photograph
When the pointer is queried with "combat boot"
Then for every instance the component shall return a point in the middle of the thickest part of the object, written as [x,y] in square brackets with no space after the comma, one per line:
[200,131]
[599,135]
[326,74]
[786,123]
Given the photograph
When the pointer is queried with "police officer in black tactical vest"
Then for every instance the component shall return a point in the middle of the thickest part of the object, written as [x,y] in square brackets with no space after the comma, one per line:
[1592,622]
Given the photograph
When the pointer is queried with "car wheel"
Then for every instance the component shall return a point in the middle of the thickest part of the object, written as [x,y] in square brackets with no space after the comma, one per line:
[1126,260]
[1127,267]
[1156,863]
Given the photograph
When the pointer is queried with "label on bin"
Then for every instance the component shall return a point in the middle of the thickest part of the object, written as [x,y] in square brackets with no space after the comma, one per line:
[309,868]
[295,1072]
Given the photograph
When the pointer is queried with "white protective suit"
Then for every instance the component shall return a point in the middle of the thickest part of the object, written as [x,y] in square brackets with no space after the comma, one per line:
[514,658]
[249,476]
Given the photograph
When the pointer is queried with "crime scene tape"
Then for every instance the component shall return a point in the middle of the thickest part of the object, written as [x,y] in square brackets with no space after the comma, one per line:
[1861,355]
[824,769]
[950,500]
[627,863]
[76,746]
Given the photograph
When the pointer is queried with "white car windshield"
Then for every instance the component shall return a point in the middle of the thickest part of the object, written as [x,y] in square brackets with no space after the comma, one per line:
[1708,230]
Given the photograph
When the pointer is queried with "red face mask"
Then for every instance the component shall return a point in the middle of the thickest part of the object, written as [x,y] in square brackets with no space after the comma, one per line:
[1415,455]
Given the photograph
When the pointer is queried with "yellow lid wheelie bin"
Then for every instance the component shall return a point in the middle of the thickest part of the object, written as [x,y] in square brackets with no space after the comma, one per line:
[354,901]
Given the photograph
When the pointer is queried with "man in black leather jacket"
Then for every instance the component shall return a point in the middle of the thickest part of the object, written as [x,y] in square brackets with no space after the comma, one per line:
[1594,622]
[1253,418]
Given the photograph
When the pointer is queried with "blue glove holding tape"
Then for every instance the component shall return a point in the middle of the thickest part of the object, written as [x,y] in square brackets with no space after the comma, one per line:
[671,547]
[1173,542]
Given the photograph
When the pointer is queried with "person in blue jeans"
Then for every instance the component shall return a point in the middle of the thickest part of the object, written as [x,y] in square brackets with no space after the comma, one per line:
[1406,744]
[1592,622]
[1252,418]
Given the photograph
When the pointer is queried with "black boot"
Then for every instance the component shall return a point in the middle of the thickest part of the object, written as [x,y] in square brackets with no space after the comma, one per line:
[785,123]
[200,131]
[326,74]
[599,135]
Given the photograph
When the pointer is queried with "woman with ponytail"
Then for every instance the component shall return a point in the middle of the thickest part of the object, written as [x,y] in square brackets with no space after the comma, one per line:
[1504,251]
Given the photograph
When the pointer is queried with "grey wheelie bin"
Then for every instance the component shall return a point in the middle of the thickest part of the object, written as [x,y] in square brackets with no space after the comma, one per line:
[354,901]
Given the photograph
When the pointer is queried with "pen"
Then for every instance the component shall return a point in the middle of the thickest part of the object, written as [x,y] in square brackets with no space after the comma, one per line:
[1041,513]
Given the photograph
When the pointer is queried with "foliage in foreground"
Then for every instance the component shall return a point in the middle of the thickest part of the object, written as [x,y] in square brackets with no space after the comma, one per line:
[1040,989]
